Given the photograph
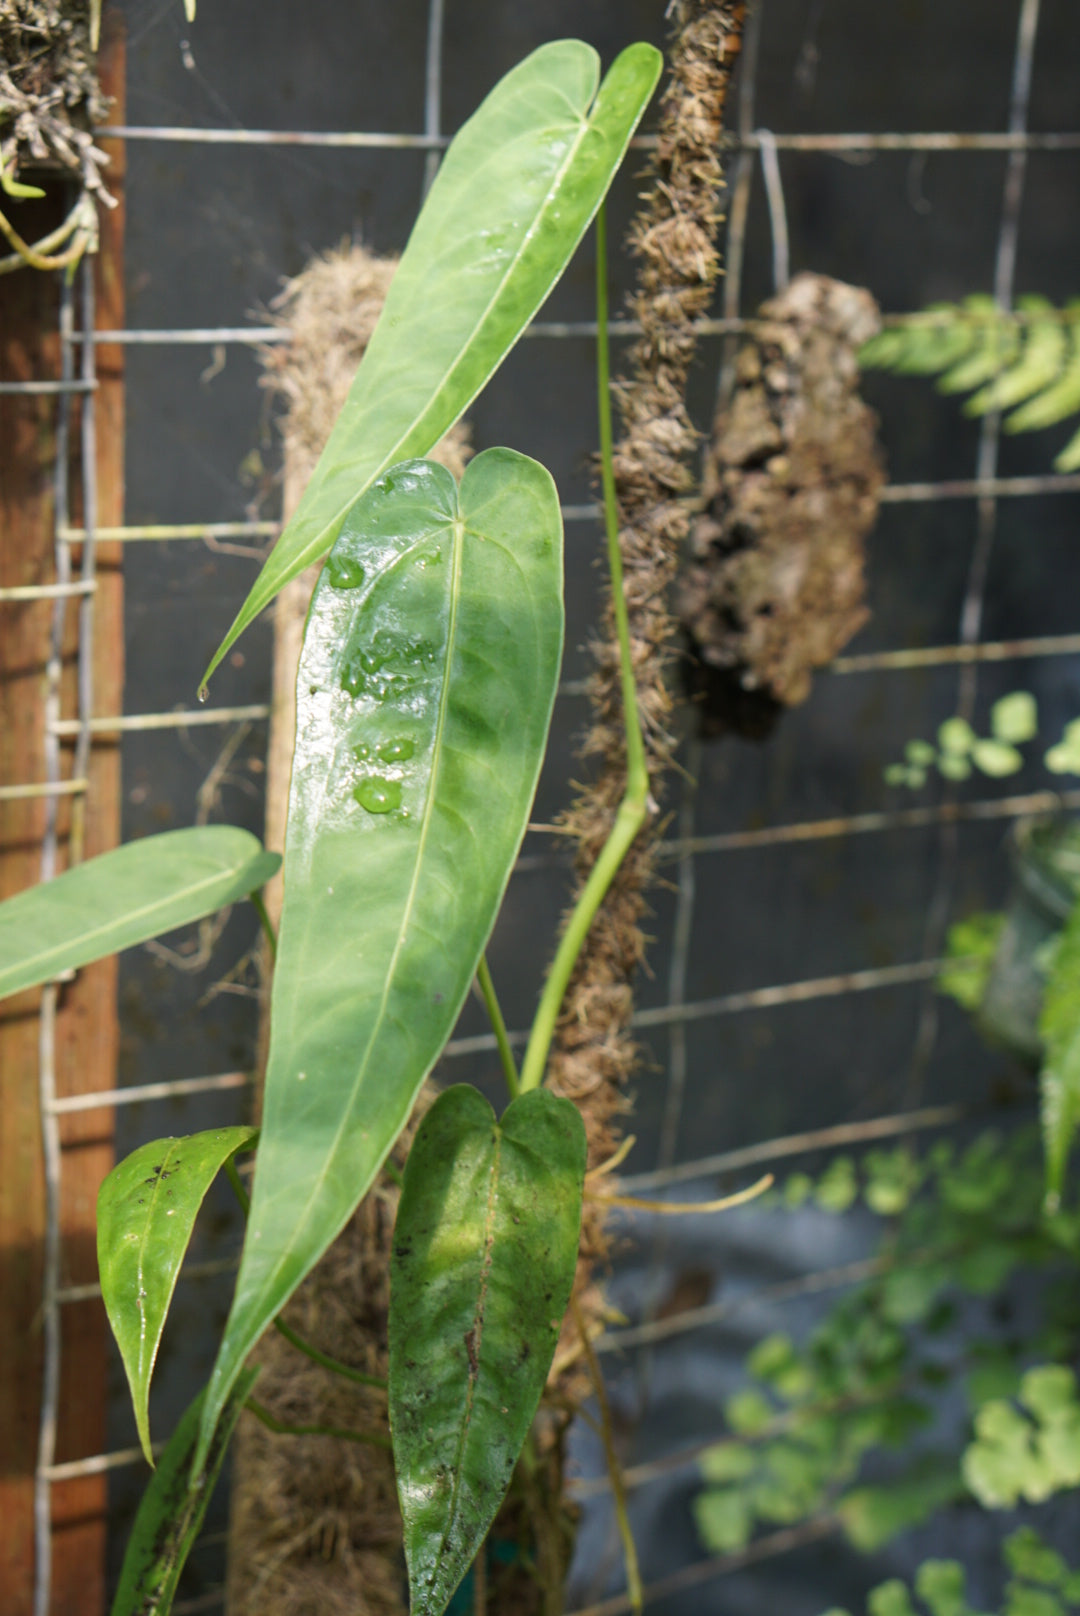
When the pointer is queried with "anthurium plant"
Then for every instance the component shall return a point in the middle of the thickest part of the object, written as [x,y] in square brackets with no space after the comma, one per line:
[429,668]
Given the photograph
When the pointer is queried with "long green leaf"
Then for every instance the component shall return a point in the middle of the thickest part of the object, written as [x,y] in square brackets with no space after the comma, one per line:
[424,694]
[512,200]
[1059,1080]
[172,1510]
[146,1211]
[123,897]
[485,1247]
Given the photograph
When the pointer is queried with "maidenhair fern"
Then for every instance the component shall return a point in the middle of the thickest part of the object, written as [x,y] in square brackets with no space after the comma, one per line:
[1041,1584]
[1026,363]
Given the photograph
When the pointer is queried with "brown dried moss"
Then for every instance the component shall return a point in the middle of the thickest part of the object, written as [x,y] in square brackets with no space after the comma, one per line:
[775,587]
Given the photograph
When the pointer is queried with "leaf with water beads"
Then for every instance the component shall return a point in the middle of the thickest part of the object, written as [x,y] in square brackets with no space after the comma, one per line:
[423,701]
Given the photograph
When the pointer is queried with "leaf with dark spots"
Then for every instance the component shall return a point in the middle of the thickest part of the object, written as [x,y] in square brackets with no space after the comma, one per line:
[142,1242]
[491,1215]
[171,1514]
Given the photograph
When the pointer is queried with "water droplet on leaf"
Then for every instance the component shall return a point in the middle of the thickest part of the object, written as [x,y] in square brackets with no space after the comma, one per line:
[396,751]
[204,693]
[378,796]
[344,572]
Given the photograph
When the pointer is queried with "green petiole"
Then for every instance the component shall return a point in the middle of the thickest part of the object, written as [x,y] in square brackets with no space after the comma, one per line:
[498,1026]
[633,808]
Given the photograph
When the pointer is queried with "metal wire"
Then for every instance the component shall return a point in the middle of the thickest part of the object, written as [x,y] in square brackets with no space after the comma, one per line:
[935,140]
[971,615]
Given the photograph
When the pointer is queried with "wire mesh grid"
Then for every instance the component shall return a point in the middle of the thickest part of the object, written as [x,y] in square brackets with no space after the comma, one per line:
[747,144]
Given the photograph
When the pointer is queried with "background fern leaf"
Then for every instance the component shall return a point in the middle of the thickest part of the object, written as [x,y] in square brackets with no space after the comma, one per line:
[1061,400]
[1038,366]
[1026,362]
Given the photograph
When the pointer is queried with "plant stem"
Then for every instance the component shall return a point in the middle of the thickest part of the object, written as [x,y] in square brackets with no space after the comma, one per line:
[633,808]
[636,773]
[265,922]
[373,1439]
[333,1364]
[292,1336]
[498,1026]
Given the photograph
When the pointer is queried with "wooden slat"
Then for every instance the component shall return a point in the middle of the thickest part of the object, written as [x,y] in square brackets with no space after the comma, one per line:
[86,1030]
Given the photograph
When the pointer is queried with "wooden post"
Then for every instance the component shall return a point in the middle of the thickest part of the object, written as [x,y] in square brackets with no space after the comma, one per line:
[86,1024]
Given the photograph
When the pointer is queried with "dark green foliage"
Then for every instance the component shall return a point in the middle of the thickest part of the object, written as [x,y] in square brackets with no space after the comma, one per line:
[485,1247]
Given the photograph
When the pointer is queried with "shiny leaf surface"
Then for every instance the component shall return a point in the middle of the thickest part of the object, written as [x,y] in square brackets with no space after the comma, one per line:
[512,200]
[485,1248]
[426,682]
[172,1509]
[124,897]
[145,1214]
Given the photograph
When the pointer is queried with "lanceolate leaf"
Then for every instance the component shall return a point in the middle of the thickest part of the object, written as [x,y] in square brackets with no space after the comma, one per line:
[1059,1080]
[485,1247]
[425,689]
[123,897]
[172,1510]
[145,1214]
[513,198]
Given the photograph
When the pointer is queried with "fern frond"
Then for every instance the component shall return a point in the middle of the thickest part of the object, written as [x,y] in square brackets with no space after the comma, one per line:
[1038,366]
[997,344]
[1061,400]
[1069,458]
[931,348]
[1025,361]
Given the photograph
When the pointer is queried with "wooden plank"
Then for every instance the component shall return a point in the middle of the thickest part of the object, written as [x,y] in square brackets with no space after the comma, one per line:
[87,1028]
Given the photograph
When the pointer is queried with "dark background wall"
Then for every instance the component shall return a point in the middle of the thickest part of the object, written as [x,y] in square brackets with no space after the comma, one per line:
[212,232]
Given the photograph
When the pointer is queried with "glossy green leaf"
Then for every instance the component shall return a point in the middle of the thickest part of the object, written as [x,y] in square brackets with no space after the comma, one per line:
[514,195]
[425,689]
[172,1509]
[145,1214]
[485,1248]
[124,897]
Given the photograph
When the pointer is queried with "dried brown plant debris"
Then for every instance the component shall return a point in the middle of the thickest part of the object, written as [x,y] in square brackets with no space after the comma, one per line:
[674,241]
[50,97]
[775,587]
